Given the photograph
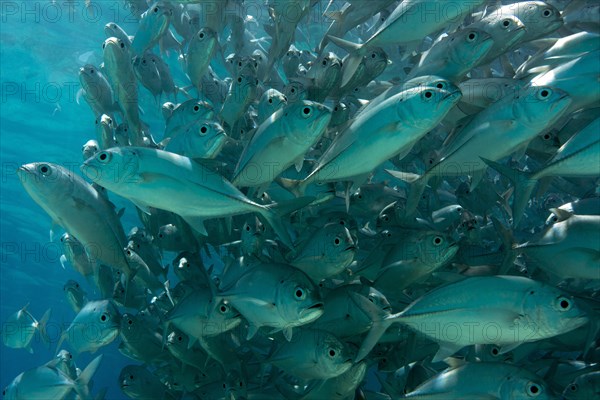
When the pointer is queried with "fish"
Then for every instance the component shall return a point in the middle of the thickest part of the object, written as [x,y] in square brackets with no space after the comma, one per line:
[96,90]
[285,298]
[154,22]
[77,206]
[103,317]
[526,311]
[76,296]
[203,139]
[281,141]
[167,172]
[46,381]
[21,328]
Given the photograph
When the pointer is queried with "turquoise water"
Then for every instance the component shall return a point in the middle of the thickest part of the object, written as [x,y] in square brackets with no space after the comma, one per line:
[42,47]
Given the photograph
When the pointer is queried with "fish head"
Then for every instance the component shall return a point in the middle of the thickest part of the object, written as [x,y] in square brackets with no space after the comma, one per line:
[298,300]
[335,356]
[555,312]
[505,29]
[437,248]
[132,379]
[210,137]
[46,181]
[423,107]
[88,74]
[112,167]
[585,386]
[159,14]
[471,44]
[376,61]
[539,106]
[203,41]
[526,386]
[224,316]
[90,148]
[306,121]
[116,52]
[538,16]
[112,29]
[129,323]
[295,91]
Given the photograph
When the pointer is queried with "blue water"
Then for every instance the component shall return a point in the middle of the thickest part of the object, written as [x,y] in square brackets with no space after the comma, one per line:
[42,46]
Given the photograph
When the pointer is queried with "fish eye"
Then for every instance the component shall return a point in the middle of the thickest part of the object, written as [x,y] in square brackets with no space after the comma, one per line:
[437,240]
[180,338]
[122,45]
[103,45]
[546,136]
[544,94]
[307,111]
[104,317]
[239,63]
[270,100]
[45,169]
[224,308]
[428,94]
[573,387]
[300,293]
[324,62]
[248,228]
[506,23]
[533,390]
[204,129]
[104,157]
[472,36]
[494,351]
[130,322]
[155,9]
[131,377]
[331,353]
[563,303]
[91,70]
[196,108]
[373,55]
[336,241]
[201,35]
[547,12]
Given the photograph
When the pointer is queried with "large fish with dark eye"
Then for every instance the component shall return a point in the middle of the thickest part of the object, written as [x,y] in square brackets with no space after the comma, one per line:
[103,316]
[520,310]
[313,354]
[20,329]
[113,30]
[410,22]
[505,30]
[147,73]
[454,55]
[156,178]
[75,205]
[201,314]
[140,340]
[203,139]
[327,252]
[324,75]
[96,90]
[186,114]
[281,141]
[48,382]
[274,295]
[585,386]
[153,24]
[540,18]
[379,133]
[477,380]
[117,63]
[201,50]
[578,157]
[510,123]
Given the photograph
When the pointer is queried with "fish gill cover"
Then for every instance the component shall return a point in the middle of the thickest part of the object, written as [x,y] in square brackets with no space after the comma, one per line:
[300,199]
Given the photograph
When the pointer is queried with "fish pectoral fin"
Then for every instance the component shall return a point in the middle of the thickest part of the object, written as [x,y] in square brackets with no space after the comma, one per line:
[252,329]
[197,223]
[446,350]
[404,176]
[287,333]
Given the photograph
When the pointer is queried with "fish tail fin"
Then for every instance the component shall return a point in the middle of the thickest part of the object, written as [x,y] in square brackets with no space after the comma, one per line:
[522,183]
[276,222]
[417,184]
[42,326]
[355,55]
[375,332]
[294,186]
[83,381]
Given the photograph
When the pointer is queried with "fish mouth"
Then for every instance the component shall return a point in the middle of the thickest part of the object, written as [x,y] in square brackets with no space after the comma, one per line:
[316,306]
[350,248]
